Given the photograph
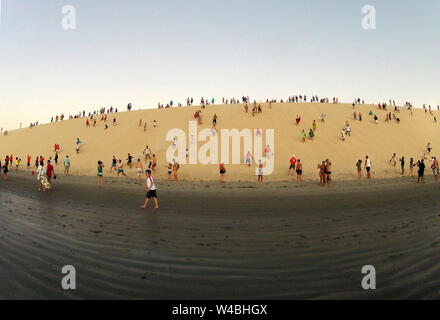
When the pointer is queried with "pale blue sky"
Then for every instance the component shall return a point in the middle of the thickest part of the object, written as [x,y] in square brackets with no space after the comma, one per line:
[149,51]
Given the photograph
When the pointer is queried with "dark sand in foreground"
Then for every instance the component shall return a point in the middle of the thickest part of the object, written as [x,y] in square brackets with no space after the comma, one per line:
[214,241]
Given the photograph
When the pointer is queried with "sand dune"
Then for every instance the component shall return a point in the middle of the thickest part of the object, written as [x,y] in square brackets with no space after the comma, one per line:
[409,138]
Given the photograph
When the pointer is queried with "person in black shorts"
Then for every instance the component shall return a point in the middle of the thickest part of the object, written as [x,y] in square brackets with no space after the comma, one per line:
[151,190]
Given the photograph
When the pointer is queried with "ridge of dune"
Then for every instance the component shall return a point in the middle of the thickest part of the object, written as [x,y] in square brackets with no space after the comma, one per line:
[378,141]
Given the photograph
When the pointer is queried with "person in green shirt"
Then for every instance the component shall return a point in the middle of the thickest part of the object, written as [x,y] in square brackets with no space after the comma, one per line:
[100,176]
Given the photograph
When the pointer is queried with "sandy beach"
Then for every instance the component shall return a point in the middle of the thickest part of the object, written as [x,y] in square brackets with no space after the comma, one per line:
[220,241]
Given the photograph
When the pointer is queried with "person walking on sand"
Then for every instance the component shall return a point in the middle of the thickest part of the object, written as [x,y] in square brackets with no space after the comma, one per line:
[100,177]
[402,165]
[435,168]
[359,169]
[121,168]
[260,171]
[50,171]
[222,172]
[248,159]
[176,167]
[114,164]
[292,165]
[299,171]
[367,166]
[170,170]
[343,134]
[153,163]
[328,172]
[147,153]
[314,125]
[41,173]
[411,167]
[139,170]
[393,160]
[66,166]
[421,172]
[303,136]
[151,191]
[321,168]
[130,160]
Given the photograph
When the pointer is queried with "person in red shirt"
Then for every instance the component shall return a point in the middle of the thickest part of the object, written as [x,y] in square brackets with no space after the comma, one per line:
[292,164]
[50,172]
[28,161]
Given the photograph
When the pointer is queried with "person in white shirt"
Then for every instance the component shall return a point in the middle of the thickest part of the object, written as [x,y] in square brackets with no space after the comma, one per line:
[151,190]
[41,174]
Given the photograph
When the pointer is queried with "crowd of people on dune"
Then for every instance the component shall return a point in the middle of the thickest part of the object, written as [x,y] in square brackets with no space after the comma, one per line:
[44,169]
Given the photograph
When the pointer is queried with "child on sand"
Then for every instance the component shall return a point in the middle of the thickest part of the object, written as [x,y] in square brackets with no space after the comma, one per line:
[151,191]
[100,178]
[303,136]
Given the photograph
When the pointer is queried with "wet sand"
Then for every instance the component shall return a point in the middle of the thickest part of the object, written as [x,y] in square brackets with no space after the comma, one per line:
[214,241]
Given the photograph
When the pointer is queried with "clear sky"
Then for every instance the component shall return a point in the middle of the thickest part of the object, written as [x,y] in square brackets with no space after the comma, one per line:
[143,52]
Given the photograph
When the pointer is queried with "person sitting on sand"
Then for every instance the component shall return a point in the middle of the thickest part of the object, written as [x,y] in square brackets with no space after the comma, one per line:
[222,171]
[151,191]
[299,171]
